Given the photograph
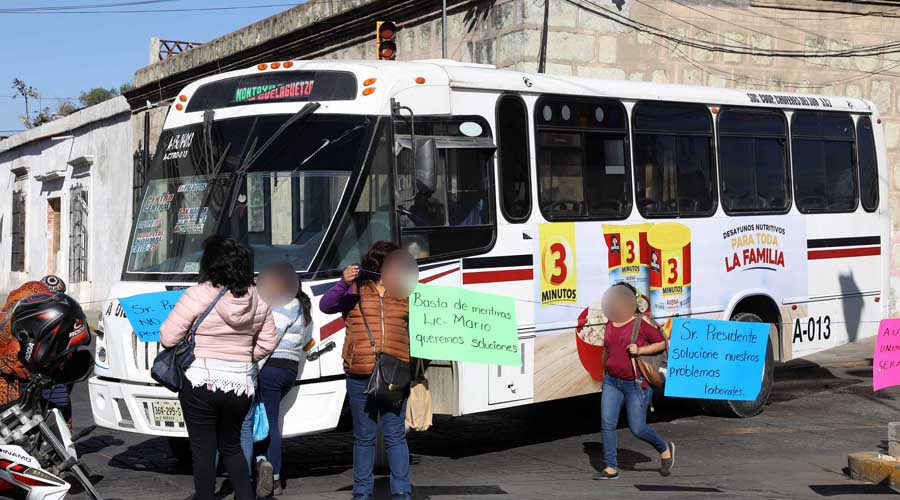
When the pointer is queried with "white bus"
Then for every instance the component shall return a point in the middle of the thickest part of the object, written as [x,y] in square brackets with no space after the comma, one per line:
[718,203]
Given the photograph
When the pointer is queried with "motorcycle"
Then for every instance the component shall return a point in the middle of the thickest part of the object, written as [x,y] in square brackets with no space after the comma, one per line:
[37,449]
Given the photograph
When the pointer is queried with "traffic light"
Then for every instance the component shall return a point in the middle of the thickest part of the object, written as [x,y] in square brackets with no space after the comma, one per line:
[385,33]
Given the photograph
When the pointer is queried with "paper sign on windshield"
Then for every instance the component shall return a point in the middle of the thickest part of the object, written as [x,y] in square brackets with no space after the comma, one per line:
[716,359]
[146,312]
[458,325]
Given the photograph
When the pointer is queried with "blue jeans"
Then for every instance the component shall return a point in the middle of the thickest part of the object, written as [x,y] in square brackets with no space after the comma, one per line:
[273,385]
[247,434]
[366,411]
[617,391]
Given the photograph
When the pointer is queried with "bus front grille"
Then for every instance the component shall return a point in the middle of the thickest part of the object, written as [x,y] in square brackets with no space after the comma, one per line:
[144,353]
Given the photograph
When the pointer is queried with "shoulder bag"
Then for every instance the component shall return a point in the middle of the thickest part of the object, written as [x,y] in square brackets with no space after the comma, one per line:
[171,363]
[390,378]
[652,368]
[419,411]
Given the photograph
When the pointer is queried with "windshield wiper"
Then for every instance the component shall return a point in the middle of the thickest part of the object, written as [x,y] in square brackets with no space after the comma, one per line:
[297,117]
[253,154]
[330,142]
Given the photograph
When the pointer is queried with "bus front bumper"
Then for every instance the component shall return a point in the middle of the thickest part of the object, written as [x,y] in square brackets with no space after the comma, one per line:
[135,407]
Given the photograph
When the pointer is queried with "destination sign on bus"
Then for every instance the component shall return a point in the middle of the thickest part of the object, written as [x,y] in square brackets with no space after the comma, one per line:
[282,86]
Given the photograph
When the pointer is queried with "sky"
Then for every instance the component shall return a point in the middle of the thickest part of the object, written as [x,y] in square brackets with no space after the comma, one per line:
[63,54]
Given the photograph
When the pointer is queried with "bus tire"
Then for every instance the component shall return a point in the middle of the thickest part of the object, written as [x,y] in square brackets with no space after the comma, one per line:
[181,450]
[746,409]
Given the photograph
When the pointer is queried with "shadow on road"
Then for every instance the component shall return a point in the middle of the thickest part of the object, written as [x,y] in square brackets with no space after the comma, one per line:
[628,459]
[832,490]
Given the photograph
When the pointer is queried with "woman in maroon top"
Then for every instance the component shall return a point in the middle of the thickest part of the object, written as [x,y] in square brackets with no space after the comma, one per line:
[622,382]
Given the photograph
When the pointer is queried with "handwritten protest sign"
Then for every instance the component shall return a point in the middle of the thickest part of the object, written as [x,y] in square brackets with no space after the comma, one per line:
[886,363]
[457,325]
[716,359]
[146,312]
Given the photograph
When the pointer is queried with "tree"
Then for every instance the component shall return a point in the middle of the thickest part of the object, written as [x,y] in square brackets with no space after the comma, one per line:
[27,92]
[97,95]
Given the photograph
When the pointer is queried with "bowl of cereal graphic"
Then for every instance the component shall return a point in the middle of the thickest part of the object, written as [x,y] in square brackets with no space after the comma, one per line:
[589,336]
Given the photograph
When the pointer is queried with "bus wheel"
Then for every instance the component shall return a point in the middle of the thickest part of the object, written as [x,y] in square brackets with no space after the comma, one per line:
[746,409]
[181,450]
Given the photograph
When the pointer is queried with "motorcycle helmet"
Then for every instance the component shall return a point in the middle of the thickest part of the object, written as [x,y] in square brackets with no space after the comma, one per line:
[49,328]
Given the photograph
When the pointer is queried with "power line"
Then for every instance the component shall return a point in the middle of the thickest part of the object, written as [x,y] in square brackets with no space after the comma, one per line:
[89,6]
[726,21]
[871,50]
[155,11]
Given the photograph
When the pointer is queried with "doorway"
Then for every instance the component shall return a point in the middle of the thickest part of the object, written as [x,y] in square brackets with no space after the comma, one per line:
[53,217]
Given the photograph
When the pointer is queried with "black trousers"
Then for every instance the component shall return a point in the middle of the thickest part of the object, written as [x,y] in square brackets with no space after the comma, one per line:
[214,420]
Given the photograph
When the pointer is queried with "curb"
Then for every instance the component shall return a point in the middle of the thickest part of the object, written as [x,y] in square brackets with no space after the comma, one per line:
[875,468]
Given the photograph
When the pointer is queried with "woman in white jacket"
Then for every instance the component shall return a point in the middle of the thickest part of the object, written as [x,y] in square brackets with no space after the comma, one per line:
[293,322]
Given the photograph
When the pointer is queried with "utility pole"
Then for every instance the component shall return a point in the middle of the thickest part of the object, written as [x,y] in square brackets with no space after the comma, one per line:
[542,54]
[444,29]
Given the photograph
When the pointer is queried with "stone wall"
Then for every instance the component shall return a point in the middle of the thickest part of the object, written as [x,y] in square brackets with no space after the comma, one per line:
[507,33]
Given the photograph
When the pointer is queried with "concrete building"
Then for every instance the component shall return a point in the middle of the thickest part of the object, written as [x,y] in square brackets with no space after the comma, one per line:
[675,41]
[67,207]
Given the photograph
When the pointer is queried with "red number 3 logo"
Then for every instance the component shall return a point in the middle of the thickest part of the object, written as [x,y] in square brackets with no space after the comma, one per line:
[559,264]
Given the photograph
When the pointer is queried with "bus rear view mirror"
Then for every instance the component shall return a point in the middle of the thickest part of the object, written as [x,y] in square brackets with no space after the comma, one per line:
[426,172]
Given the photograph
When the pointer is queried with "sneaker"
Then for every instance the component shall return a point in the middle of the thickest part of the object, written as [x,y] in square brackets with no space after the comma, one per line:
[667,463]
[603,475]
[265,483]
[278,489]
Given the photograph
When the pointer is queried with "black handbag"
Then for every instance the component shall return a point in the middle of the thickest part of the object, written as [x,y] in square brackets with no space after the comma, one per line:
[172,362]
[391,377]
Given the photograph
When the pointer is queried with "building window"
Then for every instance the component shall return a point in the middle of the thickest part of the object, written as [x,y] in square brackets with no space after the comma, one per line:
[18,232]
[673,156]
[868,164]
[824,164]
[78,234]
[753,161]
[513,158]
[582,159]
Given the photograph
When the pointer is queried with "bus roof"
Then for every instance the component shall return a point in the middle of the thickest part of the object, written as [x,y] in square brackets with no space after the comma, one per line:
[396,76]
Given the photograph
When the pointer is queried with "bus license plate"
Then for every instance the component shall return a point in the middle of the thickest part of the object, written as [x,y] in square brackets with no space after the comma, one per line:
[167,411]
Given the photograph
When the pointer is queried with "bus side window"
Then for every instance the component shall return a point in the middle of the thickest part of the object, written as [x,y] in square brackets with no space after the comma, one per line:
[753,166]
[582,161]
[868,164]
[513,158]
[673,156]
[457,217]
[823,162]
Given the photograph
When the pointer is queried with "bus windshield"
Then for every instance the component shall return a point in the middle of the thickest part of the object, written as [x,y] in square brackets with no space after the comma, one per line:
[242,178]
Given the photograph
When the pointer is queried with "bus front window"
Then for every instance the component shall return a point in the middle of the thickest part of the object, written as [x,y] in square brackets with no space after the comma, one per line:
[275,187]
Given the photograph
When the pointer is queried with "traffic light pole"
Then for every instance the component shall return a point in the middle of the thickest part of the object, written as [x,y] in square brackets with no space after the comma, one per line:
[444,30]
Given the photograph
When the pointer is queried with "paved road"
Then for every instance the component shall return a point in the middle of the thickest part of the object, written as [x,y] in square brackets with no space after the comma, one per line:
[797,449]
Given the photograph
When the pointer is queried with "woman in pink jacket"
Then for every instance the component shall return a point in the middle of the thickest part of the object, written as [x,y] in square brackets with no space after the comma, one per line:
[237,332]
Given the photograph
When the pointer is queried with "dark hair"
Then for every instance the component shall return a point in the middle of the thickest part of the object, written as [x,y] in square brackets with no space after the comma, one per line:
[374,258]
[227,263]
